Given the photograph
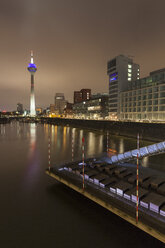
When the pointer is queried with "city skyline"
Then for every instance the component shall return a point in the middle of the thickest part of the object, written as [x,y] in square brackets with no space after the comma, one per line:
[72,42]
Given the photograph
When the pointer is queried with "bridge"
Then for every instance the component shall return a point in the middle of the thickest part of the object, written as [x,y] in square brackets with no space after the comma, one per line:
[142,152]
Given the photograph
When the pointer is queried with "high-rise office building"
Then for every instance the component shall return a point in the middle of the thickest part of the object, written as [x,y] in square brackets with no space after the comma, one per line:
[121,70]
[82,95]
[60,103]
[32,69]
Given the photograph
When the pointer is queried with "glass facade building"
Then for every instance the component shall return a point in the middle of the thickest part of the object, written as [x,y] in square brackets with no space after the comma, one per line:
[145,99]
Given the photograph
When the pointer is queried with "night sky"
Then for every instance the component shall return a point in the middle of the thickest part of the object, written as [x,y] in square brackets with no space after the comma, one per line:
[72,41]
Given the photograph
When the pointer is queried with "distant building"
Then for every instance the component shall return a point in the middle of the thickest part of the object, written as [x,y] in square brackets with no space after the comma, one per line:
[52,108]
[145,99]
[39,111]
[20,108]
[82,95]
[77,96]
[60,103]
[86,94]
[68,111]
[94,108]
[121,70]
[52,111]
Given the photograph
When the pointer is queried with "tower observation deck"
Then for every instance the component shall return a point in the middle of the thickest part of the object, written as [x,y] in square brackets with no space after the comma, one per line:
[32,69]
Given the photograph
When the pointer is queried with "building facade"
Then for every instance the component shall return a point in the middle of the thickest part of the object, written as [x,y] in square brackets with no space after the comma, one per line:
[145,99]
[82,95]
[68,111]
[39,111]
[52,108]
[94,108]
[20,108]
[60,103]
[77,96]
[121,70]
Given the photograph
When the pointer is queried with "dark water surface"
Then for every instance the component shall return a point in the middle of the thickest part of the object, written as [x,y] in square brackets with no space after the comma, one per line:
[37,211]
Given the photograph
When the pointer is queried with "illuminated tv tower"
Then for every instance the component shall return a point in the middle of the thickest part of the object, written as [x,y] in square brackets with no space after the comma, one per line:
[32,69]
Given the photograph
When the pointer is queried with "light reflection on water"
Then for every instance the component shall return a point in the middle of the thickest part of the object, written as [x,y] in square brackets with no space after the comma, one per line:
[32,137]
[61,143]
[95,145]
[33,203]
[33,161]
[121,146]
[91,144]
[2,129]
[64,139]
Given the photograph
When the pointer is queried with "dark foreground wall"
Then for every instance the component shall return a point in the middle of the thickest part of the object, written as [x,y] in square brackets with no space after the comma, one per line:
[148,131]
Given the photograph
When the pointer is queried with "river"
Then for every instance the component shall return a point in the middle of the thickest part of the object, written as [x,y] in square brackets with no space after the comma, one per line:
[37,211]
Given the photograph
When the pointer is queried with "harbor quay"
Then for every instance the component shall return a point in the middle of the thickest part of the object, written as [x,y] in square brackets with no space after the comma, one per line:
[147,131]
[113,186]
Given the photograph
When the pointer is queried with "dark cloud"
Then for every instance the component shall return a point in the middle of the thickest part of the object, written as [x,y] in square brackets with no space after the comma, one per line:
[72,41]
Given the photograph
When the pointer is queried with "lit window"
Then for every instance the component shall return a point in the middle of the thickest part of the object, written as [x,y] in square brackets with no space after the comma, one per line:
[129,66]
[129,79]
[138,74]
[129,70]
[137,77]
[138,69]
[129,74]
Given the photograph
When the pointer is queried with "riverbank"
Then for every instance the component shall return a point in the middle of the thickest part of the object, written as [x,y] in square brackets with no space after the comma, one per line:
[4,120]
[148,131]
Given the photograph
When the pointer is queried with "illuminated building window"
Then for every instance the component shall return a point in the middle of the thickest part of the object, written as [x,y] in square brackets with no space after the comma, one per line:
[129,66]
[113,79]
[130,70]
[129,79]
[137,77]
[129,74]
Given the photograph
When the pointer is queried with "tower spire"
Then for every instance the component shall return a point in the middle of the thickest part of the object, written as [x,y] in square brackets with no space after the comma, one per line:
[32,69]
[32,61]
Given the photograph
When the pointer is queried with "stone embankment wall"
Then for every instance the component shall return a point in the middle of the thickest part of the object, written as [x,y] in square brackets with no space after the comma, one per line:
[147,131]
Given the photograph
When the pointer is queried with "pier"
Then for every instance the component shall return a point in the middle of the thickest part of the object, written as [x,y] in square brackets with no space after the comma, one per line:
[113,186]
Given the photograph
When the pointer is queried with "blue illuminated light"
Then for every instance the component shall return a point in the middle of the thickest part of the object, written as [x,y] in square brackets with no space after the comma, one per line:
[114,74]
[32,65]
[113,79]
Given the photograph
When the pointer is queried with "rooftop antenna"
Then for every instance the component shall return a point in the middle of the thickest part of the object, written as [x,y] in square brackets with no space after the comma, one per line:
[32,61]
